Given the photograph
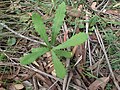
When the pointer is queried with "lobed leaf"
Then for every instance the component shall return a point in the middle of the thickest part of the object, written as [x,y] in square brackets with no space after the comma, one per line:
[58,20]
[62,53]
[101,82]
[40,27]
[73,41]
[59,67]
[31,57]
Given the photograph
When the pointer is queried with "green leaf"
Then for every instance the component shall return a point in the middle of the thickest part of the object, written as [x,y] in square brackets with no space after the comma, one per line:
[2,57]
[62,53]
[59,67]
[73,41]
[93,20]
[40,27]
[58,20]
[81,25]
[11,41]
[31,57]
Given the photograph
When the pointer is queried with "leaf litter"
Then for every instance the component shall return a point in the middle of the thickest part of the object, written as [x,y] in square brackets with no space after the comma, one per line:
[75,16]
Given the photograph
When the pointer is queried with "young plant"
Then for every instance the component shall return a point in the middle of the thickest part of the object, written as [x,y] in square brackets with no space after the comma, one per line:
[56,51]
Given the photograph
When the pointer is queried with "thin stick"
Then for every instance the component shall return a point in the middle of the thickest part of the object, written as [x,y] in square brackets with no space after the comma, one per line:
[103,48]
[104,7]
[65,81]
[103,2]
[52,85]
[88,42]
[41,72]
[20,35]
[79,59]
[33,69]
[45,74]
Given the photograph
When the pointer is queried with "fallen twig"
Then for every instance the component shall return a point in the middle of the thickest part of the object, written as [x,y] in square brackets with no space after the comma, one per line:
[20,35]
[109,66]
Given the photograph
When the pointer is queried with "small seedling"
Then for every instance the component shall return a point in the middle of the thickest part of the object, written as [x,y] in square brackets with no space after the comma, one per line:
[56,51]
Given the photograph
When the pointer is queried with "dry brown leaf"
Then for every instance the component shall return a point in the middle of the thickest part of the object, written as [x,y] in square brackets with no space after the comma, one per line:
[105,79]
[73,11]
[19,86]
[93,6]
[74,50]
[94,66]
[101,82]
[93,37]
[118,78]
[90,0]
[30,14]
[27,83]
[11,87]
[80,8]
[46,16]
[114,88]
[2,88]
[53,73]
[113,12]
[35,63]
[118,34]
